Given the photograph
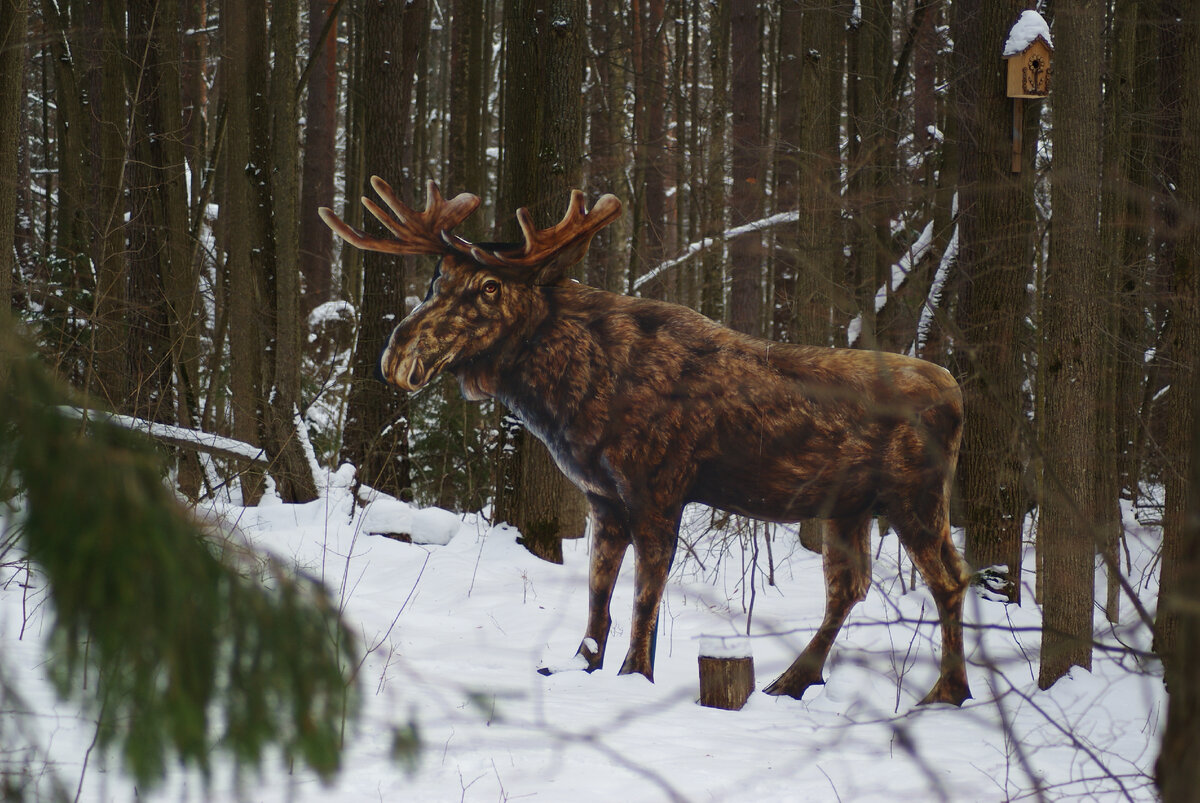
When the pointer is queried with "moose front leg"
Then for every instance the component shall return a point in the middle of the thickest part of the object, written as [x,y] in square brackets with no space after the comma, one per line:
[610,539]
[654,548]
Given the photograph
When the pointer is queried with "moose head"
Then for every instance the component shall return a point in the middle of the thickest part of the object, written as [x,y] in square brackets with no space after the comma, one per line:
[479,297]
[647,406]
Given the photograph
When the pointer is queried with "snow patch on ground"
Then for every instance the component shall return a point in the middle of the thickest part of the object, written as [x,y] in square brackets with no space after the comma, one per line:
[455,627]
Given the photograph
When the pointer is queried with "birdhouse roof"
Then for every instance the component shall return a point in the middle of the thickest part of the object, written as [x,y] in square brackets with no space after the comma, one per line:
[1030,27]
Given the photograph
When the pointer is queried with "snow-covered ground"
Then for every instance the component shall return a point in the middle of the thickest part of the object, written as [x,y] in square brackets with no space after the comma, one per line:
[453,631]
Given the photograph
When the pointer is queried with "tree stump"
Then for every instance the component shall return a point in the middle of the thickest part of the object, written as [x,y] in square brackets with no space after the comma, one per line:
[726,672]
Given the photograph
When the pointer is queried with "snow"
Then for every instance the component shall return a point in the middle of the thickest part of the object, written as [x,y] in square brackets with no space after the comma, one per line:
[707,242]
[1029,26]
[725,647]
[896,278]
[173,433]
[455,627]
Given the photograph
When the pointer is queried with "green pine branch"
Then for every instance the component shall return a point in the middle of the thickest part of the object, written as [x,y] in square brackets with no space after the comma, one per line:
[190,647]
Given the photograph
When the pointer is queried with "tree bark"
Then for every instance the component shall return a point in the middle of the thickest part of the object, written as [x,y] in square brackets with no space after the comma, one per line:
[1176,623]
[286,439]
[650,163]
[1068,535]
[320,132]
[1120,359]
[1178,767]
[542,160]
[13,32]
[746,255]
[713,214]
[245,295]
[376,430]
[995,253]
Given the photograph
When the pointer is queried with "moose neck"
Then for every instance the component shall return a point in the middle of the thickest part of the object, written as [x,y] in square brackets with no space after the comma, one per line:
[545,373]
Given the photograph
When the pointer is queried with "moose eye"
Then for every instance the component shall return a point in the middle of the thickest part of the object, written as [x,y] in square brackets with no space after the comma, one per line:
[491,287]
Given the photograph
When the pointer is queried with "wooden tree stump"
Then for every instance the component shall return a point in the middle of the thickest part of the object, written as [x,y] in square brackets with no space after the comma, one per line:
[726,672]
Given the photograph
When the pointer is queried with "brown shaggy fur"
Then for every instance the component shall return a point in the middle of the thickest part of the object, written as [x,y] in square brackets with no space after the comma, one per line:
[648,406]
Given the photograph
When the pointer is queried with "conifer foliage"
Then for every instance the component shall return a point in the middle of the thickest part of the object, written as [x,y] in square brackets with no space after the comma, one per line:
[185,645]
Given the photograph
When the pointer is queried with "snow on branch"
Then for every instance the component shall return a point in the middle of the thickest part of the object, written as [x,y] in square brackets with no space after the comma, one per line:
[899,274]
[701,245]
[176,436]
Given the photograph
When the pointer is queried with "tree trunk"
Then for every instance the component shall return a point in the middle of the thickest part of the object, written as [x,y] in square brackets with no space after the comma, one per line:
[1178,766]
[650,163]
[245,295]
[542,160]
[1071,512]
[712,276]
[13,17]
[746,256]
[148,348]
[1117,405]
[106,87]
[376,430]
[995,253]
[1177,634]
[870,174]
[607,154]
[320,132]
[1177,583]
[286,439]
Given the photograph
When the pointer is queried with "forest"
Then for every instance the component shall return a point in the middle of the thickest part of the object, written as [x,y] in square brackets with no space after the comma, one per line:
[825,172]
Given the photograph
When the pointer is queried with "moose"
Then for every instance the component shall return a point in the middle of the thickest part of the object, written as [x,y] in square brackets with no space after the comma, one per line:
[647,406]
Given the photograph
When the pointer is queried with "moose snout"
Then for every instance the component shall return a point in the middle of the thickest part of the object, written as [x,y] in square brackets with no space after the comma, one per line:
[407,365]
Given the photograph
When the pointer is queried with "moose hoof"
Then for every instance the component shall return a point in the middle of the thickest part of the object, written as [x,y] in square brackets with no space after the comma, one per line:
[785,686]
[632,667]
[944,691]
[578,663]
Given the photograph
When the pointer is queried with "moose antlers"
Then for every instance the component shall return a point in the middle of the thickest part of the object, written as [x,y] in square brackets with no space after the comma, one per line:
[416,232]
[546,251]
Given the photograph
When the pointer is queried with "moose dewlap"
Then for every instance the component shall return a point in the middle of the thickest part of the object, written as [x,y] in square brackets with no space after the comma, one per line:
[647,406]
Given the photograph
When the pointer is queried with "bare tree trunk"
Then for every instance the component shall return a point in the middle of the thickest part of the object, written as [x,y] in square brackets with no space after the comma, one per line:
[995,224]
[1178,766]
[542,160]
[650,163]
[246,340]
[320,132]
[1070,512]
[13,19]
[1176,624]
[746,255]
[712,277]
[1116,407]
[376,430]
[872,161]
[283,426]
[606,150]
[107,211]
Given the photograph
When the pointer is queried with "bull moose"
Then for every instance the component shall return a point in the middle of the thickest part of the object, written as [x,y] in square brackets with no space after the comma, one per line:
[647,406]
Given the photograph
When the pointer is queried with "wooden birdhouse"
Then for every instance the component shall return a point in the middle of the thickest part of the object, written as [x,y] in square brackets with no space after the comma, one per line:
[1028,51]
[1029,70]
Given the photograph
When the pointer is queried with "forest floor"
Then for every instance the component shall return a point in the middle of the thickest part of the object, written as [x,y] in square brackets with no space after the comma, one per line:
[453,630]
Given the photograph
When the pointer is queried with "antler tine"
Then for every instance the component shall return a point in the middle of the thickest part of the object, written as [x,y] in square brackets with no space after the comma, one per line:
[425,232]
[564,243]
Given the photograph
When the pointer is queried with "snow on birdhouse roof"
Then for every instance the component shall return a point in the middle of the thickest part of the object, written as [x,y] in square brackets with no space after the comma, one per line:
[1028,27]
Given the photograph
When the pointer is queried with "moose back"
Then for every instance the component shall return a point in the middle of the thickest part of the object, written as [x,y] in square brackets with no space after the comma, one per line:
[647,406]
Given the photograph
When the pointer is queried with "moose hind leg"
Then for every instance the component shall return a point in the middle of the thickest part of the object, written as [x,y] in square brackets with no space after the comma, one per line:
[927,540]
[846,552]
